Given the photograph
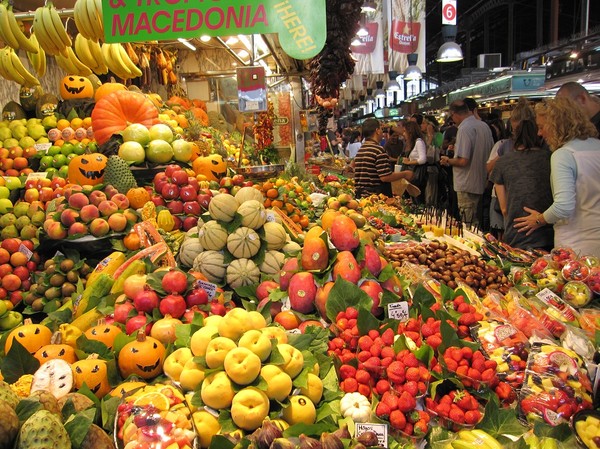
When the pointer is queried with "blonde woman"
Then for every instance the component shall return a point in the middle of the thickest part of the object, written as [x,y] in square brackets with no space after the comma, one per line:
[575,178]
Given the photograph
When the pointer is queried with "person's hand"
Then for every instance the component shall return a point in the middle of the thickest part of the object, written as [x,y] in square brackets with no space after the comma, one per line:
[444,161]
[528,223]
[406,160]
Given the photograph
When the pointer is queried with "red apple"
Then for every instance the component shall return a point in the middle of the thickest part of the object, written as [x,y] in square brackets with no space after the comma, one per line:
[180,177]
[196,297]
[158,200]
[189,223]
[175,206]
[188,193]
[192,208]
[170,169]
[169,191]
[226,181]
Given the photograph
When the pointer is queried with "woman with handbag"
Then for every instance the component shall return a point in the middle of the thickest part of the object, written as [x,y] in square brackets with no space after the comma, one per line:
[416,161]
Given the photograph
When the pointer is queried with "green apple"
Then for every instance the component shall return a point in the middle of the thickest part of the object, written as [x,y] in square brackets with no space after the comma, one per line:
[4,192]
[249,408]
[294,360]
[279,383]
[201,338]
[5,205]
[257,342]
[175,362]
[216,351]
[217,391]
[242,365]
[13,183]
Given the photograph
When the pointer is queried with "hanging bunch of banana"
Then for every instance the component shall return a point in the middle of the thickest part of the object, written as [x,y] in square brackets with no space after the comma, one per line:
[72,64]
[12,69]
[144,56]
[37,59]
[165,62]
[88,19]
[12,31]
[50,31]
[118,61]
[89,53]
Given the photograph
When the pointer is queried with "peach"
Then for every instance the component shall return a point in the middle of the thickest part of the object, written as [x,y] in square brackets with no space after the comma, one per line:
[89,213]
[68,217]
[11,244]
[78,228]
[97,196]
[78,200]
[73,188]
[131,215]
[120,200]
[18,259]
[31,195]
[99,227]
[5,269]
[110,191]
[46,194]
[107,207]
[47,224]
[56,231]
[11,282]
[117,222]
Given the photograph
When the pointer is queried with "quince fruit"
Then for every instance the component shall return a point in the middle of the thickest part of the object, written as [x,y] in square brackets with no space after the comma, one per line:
[257,342]
[242,365]
[249,408]
[279,383]
[216,351]
[293,359]
[217,391]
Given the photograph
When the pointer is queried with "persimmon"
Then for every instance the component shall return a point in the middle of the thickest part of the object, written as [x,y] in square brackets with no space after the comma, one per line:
[132,241]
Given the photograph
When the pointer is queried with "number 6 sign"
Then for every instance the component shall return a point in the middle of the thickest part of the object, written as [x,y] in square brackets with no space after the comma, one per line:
[449,12]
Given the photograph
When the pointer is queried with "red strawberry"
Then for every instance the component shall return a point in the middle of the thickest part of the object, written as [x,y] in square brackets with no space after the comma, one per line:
[347,371]
[373,364]
[455,353]
[414,336]
[504,391]
[395,372]
[349,385]
[397,420]
[456,415]
[351,313]
[462,307]
[413,374]
[430,403]
[424,374]
[387,351]
[363,377]
[412,387]
[474,374]
[427,330]
[478,364]
[488,375]
[450,363]
[383,410]
[413,325]
[352,324]
[420,428]
[422,387]
[406,402]
[390,399]
[408,429]
[388,337]
[373,334]
[463,332]
[467,352]
[340,316]
[472,416]
[365,342]
[386,361]
[443,410]
[365,390]
[411,360]
[462,370]
[363,356]
[459,300]
[490,364]
[382,386]
[375,350]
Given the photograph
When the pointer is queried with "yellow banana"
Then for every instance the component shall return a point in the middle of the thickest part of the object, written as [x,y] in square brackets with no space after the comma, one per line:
[13,74]
[95,8]
[114,62]
[131,67]
[467,435]
[487,439]
[81,19]
[51,31]
[66,64]
[38,61]
[3,70]
[96,52]
[59,27]
[83,52]
[81,68]
[17,64]
[24,42]
[5,31]
[41,32]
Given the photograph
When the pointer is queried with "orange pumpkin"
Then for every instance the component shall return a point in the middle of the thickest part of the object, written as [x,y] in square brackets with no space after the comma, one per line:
[94,373]
[31,336]
[104,333]
[106,89]
[118,110]
[213,167]
[73,86]
[200,115]
[142,357]
[56,350]
[137,197]
[87,169]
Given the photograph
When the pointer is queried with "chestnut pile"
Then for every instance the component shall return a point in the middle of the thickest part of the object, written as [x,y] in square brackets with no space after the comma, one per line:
[450,266]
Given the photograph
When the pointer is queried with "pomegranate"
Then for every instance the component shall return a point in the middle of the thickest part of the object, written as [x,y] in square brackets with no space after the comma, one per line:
[216,308]
[164,329]
[137,322]
[122,311]
[175,281]
[146,300]
[189,314]
[173,305]
[196,297]
[134,284]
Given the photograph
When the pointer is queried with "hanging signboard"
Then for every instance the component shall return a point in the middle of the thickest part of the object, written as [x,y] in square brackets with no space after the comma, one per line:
[448,12]
[252,89]
[301,25]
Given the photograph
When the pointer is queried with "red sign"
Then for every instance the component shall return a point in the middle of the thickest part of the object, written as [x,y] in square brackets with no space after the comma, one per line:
[404,37]
[369,41]
[449,12]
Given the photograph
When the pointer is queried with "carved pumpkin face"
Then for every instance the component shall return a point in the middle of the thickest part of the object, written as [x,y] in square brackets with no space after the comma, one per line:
[31,336]
[142,357]
[56,351]
[94,373]
[105,333]
[73,86]
[87,169]
[213,167]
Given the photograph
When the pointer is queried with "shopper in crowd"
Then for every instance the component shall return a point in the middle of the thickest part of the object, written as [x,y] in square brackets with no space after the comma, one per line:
[415,156]
[575,178]
[447,193]
[433,140]
[588,103]
[372,171]
[471,151]
[521,112]
[355,143]
[394,147]
[522,178]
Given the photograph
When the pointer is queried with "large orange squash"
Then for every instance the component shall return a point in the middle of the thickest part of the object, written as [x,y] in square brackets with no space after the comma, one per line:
[108,88]
[120,109]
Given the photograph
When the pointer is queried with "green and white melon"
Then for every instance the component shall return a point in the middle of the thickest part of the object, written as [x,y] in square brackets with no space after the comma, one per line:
[243,242]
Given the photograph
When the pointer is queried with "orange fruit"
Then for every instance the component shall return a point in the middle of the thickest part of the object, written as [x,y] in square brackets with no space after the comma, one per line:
[87,122]
[287,319]
[76,123]
[158,400]
[132,241]
[267,186]
[277,203]
[272,193]
[62,124]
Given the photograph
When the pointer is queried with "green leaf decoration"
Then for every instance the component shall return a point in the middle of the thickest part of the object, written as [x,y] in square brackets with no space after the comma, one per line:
[232,225]
[85,390]
[108,411]
[86,347]
[226,422]
[154,281]
[183,334]
[27,407]
[77,427]
[221,442]
[447,293]
[121,340]
[276,358]
[366,321]
[498,421]
[301,380]
[345,294]
[18,361]
[386,273]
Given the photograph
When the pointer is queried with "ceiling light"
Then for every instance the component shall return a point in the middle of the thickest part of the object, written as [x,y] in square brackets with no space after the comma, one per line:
[232,40]
[244,40]
[368,6]
[413,72]
[392,84]
[205,38]
[243,54]
[449,52]
[574,54]
[186,43]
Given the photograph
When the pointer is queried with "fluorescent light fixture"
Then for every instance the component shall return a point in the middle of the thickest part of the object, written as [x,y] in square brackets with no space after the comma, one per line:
[368,6]
[232,40]
[205,38]
[244,40]
[268,71]
[243,54]
[449,52]
[260,43]
[186,43]
[574,55]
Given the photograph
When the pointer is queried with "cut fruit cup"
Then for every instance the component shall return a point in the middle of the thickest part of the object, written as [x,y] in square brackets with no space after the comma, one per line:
[593,280]
[575,270]
[586,427]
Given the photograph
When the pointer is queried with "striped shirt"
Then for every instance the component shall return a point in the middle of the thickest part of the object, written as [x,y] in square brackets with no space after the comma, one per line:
[371,162]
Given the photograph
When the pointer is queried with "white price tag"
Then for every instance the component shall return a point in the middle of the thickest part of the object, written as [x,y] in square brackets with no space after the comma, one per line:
[252,105]
[380,429]
[42,147]
[285,303]
[398,311]
[548,296]
[270,216]
[209,287]
[36,175]
[23,249]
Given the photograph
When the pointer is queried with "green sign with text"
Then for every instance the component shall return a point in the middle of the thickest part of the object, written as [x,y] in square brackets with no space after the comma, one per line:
[301,24]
